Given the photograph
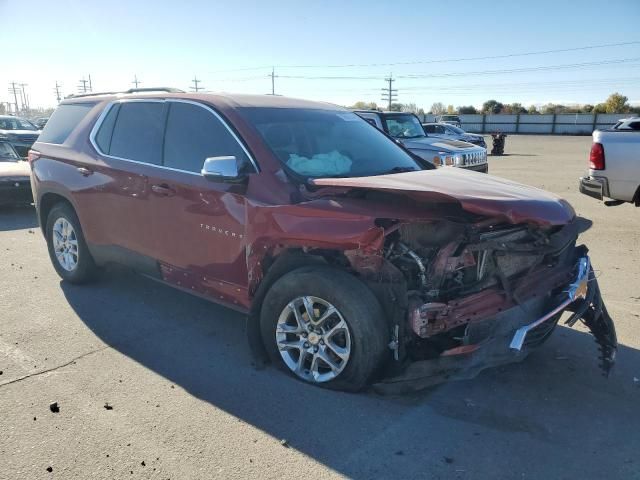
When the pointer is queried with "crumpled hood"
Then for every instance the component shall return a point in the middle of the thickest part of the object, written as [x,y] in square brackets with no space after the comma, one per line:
[14,170]
[477,193]
[437,144]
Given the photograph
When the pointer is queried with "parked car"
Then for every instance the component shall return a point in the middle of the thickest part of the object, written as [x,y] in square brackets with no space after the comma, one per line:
[451,132]
[451,119]
[41,122]
[614,169]
[354,260]
[19,132]
[15,183]
[407,129]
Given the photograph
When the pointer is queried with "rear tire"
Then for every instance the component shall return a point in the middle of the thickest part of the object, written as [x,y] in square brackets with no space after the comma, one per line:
[67,248]
[345,342]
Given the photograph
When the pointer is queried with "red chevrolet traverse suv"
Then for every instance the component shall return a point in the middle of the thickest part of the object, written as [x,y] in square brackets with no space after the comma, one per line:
[355,261]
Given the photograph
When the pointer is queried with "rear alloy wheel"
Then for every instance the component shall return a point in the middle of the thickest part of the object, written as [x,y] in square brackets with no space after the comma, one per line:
[65,244]
[325,327]
[67,248]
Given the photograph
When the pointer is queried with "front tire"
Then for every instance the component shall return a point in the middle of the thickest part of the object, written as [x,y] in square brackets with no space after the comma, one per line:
[67,248]
[325,327]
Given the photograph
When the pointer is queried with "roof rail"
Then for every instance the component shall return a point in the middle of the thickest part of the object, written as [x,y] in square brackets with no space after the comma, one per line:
[131,90]
[154,89]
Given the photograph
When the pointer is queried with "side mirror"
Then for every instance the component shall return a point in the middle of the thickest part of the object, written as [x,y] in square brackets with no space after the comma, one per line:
[221,169]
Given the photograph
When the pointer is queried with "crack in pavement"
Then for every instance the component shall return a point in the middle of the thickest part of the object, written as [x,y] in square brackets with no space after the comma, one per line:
[73,360]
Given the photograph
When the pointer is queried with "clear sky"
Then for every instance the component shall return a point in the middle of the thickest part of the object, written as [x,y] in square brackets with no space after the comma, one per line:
[231,45]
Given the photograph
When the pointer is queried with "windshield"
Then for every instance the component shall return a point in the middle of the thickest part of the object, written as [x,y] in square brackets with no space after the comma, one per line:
[7,152]
[15,123]
[455,129]
[404,126]
[327,143]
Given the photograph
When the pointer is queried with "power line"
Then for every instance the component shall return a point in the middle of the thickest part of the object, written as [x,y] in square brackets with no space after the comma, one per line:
[569,83]
[449,60]
[466,73]
[523,69]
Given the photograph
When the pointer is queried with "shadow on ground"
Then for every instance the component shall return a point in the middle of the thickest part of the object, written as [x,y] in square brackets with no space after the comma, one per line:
[553,413]
[513,155]
[17,217]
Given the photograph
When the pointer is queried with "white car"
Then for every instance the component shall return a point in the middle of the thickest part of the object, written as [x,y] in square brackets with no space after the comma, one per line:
[451,132]
[15,179]
[614,164]
[19,132]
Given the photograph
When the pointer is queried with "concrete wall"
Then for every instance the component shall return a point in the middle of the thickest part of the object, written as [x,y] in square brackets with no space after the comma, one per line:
[560,124]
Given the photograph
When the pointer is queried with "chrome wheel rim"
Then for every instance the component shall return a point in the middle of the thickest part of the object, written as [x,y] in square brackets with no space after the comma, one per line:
[313,339]
[65,244]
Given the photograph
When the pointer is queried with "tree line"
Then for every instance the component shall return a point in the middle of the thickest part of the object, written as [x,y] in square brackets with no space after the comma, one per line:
[615,103]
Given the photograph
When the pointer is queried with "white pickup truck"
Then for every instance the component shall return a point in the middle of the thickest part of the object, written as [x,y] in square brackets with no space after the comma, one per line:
[614,164]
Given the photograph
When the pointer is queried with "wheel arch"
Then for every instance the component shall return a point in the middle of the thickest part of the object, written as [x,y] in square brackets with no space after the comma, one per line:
[275,268]
[387,285]
[46,202]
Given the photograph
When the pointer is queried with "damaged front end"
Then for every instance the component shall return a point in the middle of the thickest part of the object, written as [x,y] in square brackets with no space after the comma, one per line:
[485,294]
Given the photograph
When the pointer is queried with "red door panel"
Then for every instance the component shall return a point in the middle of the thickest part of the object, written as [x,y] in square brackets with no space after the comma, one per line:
[199,235]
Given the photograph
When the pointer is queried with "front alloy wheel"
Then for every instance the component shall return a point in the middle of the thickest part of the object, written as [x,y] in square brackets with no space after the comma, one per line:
[313,339]
[326,327]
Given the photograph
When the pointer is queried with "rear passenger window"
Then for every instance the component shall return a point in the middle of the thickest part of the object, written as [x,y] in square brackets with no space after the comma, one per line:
[63,121]
[103,137]
[137,133]
[193,134]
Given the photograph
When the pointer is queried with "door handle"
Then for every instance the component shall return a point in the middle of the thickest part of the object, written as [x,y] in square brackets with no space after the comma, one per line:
[163,190]
[85,172]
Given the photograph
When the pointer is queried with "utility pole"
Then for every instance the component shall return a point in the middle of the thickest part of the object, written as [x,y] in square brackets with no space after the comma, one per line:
[195,87]
[14,90]
[136,81]
[83,85]
[273,80]
[389,94]
[23,92]
[90,86]
[58,97]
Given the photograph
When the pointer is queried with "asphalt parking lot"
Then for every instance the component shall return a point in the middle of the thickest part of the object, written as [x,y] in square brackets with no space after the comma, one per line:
[187,403]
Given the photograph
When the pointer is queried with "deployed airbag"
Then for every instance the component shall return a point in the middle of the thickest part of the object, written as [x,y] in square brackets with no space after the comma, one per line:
[322,164]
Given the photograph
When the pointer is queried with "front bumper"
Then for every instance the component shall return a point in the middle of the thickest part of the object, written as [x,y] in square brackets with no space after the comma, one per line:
[511,335]
[596,187]
[483,167]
